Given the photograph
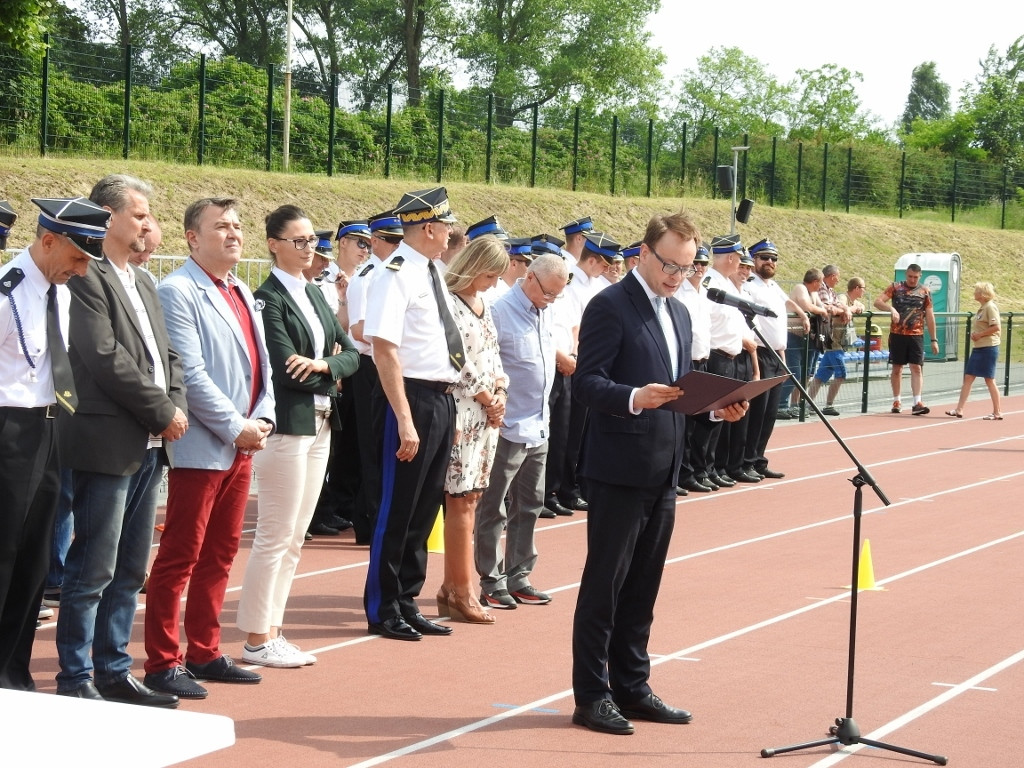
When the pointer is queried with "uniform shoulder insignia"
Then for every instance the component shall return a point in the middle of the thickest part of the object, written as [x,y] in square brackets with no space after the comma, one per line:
[706,281]
[396,263]
[10,281]
[366,270]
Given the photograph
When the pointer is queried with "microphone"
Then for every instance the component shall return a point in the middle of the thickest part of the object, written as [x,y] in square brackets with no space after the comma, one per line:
[745,306]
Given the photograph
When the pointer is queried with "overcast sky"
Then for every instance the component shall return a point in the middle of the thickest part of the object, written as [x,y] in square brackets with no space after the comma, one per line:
[883,41]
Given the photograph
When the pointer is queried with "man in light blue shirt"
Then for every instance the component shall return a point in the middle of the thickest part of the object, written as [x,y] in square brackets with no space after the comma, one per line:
[527,348]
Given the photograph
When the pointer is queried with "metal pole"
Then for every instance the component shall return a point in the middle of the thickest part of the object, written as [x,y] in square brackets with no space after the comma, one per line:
[45,103]
[849,175]
[201,149]
[650,154]
[533,148]
[952,207]
[490,136]
[903,180]
[387,133]
[615,147]
[286,139]
[735,183]
[270,115]
[799,171]
[824,176]
[332,100]
[440,135]
[575,146]
[126,123]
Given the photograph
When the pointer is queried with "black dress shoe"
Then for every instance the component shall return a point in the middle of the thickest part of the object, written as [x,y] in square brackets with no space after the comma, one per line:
[131,691]
[308,536]
[395,628]
[696,486]
[323,529]
[650,707]
[680,491]
[546,514]
[86,690]
[425,626]
[765,472]
[723,481]
[337,522]
[576,503]
[555,508]
[602,716]
[223,670]
[745,477]
[176,680]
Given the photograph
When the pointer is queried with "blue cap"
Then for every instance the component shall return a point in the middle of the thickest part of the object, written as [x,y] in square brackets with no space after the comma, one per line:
[488,226]
[763,246]
[355,228]
[520,248]
[386,223]
[602,245]
[746,259]
[7,217]
[726,244]
[547,244]
[632,251]
[323,245]
[82,221]
[703,254]
[582,224]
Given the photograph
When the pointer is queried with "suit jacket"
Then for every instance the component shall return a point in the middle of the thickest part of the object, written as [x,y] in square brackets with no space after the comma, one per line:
[119,405]
[288,333]
[622,347]
[215,359]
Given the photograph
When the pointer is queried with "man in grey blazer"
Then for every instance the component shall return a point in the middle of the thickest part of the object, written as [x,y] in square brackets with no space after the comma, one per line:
[131,407]
[212,322]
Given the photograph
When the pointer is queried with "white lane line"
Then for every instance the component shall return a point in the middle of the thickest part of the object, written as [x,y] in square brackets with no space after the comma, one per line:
[928,706]
[684,653]
[976,688]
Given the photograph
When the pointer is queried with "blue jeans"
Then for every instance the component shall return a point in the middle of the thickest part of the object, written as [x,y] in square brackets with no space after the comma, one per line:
[61,533]
[104,571]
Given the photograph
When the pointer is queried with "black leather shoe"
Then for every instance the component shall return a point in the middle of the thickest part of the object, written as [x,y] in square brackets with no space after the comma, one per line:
[745,477]
[723,481]
[131,691]
[425,626]
[709,483]
[650,707]
[223,670]
[765,472]
[680,491]
[308,536]
[696,486]
[576,503]
[337,522]
[546,514]
[86,690]
[602,716]
[322,529]
[553,506]
[395,628]
[176,680]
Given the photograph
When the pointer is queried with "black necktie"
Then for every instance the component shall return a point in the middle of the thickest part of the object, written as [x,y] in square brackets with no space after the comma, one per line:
[456,352]
[60,364]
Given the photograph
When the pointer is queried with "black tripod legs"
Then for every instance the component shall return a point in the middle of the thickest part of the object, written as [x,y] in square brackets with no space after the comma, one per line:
[846,732]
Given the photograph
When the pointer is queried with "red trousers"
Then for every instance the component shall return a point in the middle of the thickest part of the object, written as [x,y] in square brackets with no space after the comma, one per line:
[205,509]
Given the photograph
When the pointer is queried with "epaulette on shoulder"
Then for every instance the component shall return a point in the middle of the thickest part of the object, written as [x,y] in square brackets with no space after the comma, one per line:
[396,263]
[10,281]
[706,281]
[367,268]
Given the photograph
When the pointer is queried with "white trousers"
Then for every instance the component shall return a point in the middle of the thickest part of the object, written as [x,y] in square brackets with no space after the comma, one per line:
[290,475]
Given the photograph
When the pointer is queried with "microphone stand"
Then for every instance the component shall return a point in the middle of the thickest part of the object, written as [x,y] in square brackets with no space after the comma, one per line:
[845,731]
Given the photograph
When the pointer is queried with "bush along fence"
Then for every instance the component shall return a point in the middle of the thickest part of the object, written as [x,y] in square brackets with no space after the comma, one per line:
[89,99]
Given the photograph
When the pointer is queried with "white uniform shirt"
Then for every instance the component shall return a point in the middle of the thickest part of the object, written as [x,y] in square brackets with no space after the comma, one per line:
[401,309]
[21,385]
[700,319]
[770,294]
[728,328]
[358,286]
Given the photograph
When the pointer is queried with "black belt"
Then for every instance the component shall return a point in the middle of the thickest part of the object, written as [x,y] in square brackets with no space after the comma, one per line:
[723,353]
[44,411]
[436,386]
[700,362]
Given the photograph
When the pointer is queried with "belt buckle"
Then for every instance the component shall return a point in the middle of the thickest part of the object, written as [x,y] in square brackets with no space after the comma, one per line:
[50,412]
[449,389]
[325,412]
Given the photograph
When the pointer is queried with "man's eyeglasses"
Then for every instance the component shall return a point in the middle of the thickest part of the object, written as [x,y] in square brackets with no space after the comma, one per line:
[686,270]
[767,258]
[300,243]
[546,293]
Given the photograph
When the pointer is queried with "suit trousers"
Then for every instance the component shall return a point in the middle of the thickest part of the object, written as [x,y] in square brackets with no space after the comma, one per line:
[763,411]
[705,431]
[344,471]
[411,495]
[560,409]
[29,486]
[732,439]
[202,528]
[368,403]
[628,535]
[288,474]
[520,470]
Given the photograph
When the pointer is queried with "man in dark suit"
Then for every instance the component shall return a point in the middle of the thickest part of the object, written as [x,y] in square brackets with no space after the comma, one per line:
[634,341]
[131,400]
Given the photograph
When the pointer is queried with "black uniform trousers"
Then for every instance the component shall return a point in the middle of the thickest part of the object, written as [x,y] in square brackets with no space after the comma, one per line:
[687,471]
[628,535]
[344,471]
[706,431]
[560,408]
[29,488]
[411,495]
[368,404]
[732,440]
[762,413]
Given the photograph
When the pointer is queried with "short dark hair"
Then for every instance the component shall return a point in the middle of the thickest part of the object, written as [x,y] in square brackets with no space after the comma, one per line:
[680,223]
[195,211]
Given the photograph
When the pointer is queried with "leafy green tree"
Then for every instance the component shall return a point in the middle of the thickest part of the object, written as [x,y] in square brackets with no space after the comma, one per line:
[828,108]
[22,24]
[928,98]
[996,105]
[249,30]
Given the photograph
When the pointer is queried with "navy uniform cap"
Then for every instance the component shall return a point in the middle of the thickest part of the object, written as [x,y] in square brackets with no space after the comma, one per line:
[702,256]
[386,223]
[7,217]
[547,244]
[354,228]
[425,206]
[582,224]
[764,246]
[520,248]
[488,226]
[323,244]
[746,259]
[602,245]
[632,251]
[726,244]
[81,221]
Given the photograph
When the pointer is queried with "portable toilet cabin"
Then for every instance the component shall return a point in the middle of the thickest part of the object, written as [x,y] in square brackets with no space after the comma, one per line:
[940,274]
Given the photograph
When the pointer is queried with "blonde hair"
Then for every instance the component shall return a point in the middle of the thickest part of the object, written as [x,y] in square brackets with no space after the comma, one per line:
[483,254]
[986,289]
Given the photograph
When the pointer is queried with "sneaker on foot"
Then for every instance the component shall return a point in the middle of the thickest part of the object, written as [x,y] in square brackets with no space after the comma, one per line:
[51,598]
[529,595]
[272,653]
[830,410]
[45,612]
[499,598]
[307,658]
[895,406]
[920,409]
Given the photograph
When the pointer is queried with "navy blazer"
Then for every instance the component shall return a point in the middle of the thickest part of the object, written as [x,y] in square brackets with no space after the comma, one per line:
[622,347]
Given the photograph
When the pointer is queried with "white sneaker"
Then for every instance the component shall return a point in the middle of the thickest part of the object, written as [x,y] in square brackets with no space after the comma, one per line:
[307,658]
[272,653]
[45,612]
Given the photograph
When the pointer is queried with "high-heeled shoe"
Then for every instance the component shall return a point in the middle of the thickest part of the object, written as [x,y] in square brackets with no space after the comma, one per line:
[443,606]
[461,608]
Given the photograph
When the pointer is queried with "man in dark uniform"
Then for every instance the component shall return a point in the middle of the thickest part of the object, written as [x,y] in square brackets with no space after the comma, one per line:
[418,352]
[35,377]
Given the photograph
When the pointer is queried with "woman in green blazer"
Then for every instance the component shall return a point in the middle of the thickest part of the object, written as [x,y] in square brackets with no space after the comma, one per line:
[309,353]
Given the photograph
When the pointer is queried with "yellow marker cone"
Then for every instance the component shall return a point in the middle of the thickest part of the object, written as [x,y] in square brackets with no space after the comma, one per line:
[866,571]
[435,541]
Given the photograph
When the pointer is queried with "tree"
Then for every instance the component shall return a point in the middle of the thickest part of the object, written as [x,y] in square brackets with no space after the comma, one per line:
[249,30]
[996,104]
[535,51]
[928,98]
[828,108]
[22,24]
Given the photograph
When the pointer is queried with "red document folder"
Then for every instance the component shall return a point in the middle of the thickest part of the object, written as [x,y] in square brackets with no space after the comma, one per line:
[703,392]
